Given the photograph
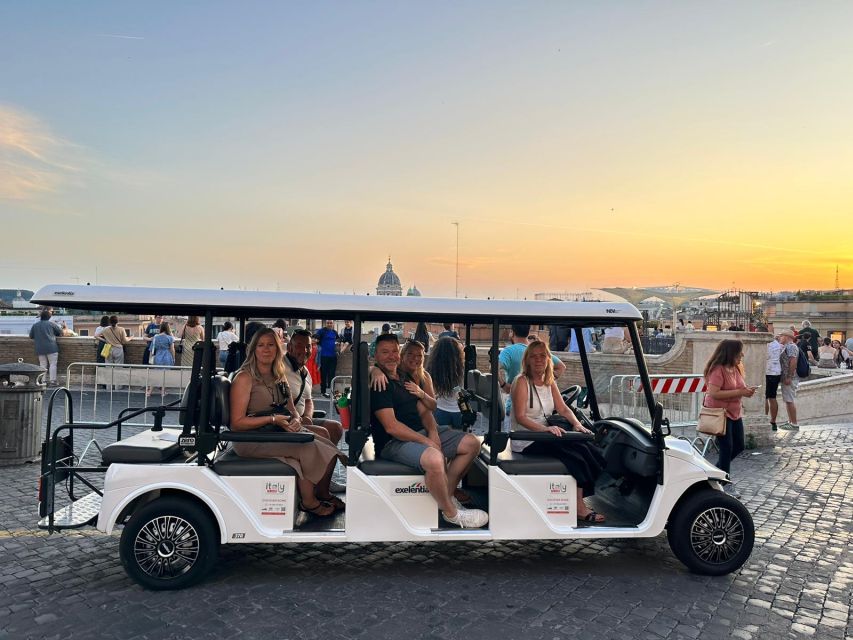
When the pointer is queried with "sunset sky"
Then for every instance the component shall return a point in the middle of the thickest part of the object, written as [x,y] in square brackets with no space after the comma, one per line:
[295,146]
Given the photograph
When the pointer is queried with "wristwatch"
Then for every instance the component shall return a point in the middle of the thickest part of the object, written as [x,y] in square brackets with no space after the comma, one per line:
[272,419]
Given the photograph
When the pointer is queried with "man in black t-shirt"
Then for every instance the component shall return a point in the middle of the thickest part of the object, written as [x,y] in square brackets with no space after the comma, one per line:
[401,434]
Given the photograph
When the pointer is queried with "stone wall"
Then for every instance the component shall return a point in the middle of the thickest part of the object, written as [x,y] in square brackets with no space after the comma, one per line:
[70,350]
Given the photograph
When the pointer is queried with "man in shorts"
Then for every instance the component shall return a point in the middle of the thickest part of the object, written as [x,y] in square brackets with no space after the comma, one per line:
[789,380]
[403,433]
[772,377]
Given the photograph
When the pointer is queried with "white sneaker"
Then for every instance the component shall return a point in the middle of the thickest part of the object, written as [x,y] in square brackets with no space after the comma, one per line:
[456,503]
[468,518]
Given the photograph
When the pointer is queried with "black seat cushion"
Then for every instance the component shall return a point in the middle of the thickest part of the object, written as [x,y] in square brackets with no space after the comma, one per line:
[229,463]
[518,464]
[144,447]
[373,466]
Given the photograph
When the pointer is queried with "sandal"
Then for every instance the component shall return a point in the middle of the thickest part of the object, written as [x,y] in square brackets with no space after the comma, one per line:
[593,516]
[322,509]
[336,502]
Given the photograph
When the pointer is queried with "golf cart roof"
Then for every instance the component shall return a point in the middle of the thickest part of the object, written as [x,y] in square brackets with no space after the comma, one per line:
[239,304]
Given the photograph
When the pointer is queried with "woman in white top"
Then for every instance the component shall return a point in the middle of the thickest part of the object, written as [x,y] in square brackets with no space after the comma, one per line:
[223,339]
[535,396]
[615,340]
[827,355]
[447,368]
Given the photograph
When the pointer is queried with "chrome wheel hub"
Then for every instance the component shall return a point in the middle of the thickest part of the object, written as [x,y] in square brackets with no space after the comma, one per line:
[716,535]
[166,547]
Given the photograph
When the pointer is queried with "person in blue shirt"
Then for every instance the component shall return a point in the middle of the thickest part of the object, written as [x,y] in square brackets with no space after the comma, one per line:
[510,360]
[587,341]
[151,331]
[329,340]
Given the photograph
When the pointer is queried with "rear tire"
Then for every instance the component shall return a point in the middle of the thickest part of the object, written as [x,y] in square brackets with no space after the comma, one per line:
[711,533]
[170,543]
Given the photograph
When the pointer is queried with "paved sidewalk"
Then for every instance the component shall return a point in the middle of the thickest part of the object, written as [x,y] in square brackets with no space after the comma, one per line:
[797,583]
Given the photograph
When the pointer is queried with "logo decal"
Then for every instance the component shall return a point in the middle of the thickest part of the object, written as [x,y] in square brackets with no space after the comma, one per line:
[558,487]
[415,487]
[275,487]
[63,293]
[187,441]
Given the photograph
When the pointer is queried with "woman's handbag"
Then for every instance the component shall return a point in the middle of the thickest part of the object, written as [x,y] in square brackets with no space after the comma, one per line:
[105,350]
[556,420]
[712,421]
[179,348]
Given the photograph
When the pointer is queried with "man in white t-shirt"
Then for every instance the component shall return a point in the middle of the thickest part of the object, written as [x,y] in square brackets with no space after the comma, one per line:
[772,378]
[300,383]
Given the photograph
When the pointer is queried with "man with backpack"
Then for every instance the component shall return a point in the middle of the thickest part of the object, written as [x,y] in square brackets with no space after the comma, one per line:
[791,373]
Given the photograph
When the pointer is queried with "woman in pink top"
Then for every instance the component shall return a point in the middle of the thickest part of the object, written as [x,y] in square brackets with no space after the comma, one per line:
[726,387]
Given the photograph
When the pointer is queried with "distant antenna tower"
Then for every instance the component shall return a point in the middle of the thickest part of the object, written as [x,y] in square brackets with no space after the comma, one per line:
[837,285]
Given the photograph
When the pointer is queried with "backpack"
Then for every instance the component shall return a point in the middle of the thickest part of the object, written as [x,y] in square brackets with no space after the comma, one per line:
[803,368]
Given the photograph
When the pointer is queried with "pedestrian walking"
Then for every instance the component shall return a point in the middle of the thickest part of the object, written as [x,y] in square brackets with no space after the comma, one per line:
[44,333]
[790,380]
[772,378]
[724,376]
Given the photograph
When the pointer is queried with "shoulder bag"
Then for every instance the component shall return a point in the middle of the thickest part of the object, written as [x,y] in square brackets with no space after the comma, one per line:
[179,348]
[555,419]
[712,420]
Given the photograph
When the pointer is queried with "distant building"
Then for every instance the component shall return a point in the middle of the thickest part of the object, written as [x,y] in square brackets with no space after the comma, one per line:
[389,282]
[413,291]
[10,296]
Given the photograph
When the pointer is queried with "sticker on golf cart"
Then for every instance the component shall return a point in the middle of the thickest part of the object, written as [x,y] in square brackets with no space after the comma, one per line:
[273,508]
[557,502]
[274,501]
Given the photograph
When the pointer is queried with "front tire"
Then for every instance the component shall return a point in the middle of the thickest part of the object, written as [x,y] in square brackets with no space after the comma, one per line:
[711,533]
[170,543]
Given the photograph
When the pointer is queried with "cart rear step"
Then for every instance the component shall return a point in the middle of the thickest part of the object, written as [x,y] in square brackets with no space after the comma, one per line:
[77,514]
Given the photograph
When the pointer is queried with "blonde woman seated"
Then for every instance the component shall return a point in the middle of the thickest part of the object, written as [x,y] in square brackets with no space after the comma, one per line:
[535,396]
[261,401]
[418,381]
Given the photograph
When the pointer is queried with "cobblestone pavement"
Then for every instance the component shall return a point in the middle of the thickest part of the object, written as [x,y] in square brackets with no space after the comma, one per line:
[797,583]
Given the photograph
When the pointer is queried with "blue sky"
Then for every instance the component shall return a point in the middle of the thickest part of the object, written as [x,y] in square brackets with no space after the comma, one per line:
[220,144]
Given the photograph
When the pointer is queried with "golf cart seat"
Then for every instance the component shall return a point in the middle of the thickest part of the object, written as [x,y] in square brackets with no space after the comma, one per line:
[145,447]
[150,446]
[372,465]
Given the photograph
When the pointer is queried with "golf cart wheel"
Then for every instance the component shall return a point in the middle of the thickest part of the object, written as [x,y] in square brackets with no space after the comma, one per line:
[712,533]
[170,543]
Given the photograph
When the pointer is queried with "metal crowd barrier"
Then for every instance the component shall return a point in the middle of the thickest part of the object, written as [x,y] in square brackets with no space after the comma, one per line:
[113,387]
[680,395]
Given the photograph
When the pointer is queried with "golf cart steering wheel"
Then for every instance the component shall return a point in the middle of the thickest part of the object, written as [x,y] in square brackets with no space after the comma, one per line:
[571,394]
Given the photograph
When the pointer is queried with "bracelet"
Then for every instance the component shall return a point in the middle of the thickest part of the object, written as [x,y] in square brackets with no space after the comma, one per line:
[272,419]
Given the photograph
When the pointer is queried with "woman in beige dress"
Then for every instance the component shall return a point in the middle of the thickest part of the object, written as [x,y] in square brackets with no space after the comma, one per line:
[192,333]
[261,400]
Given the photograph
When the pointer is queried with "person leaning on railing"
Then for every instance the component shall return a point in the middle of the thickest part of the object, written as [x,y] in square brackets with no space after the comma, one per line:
[116,337]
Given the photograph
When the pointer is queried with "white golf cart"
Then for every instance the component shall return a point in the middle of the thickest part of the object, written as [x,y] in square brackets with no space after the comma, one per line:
[181,492]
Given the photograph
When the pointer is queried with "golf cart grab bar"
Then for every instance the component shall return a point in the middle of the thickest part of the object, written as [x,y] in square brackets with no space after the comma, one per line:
[547,436]
[255,436]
